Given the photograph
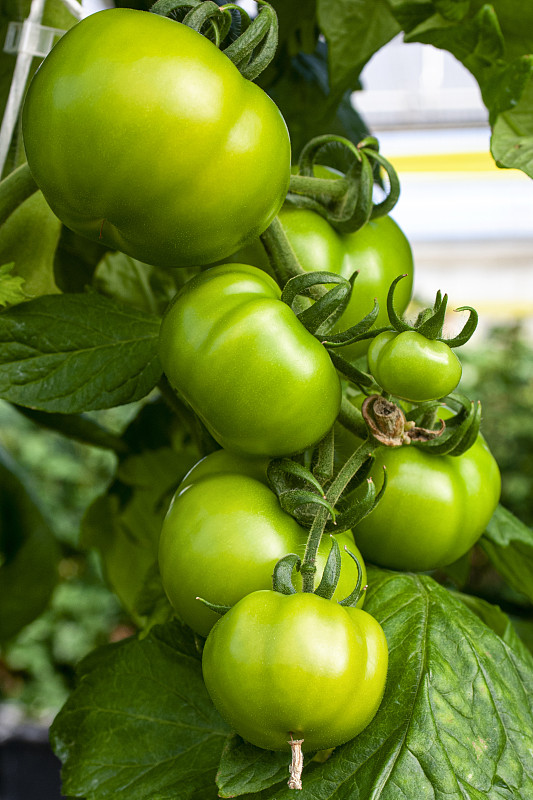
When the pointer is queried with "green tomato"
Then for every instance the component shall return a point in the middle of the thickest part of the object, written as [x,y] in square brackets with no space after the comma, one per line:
[434,508]
[277,665]
[143,136]
[262,384]
[412,367]
[223,534]
[379,251]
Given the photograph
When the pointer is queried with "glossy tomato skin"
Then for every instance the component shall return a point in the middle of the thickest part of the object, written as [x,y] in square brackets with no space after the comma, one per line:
[379,251]
[142,135]
[434,508]
[412,367]
[262,384]
[224,533]
[280,664]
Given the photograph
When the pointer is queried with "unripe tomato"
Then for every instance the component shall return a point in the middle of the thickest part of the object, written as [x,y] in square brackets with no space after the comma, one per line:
[434,508]
[277,665]
[412,367]
[144,136]
[262,384]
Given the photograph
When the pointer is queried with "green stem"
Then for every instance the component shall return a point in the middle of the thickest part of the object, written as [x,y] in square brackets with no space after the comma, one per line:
[351,418]
[14,189]
[282,257]
[333,494]
[333,188]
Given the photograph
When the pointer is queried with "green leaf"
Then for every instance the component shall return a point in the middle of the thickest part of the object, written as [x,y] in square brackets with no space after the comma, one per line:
[29,554]
[500,623]
[354,31]
[72,353]
[140,723]
[509,545]
[136,284]
[244,768]
[456,720]
[124,523]
[495,43]
[11,291]
[29,239]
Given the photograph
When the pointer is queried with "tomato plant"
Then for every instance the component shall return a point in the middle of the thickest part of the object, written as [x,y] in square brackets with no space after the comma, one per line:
[434,509]
[300,665]
[258,379]
[223,534]
[143,136]
[412,367]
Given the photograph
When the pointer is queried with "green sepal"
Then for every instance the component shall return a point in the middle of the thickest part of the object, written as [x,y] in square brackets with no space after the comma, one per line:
[256,46]
[349,370]
[397,322]
[359,507]
[330,575]
[356,332]
[430,321]
[282,576]
[347,203]
[461,430]
[278,470]
[432,327]
[354,597]
[468,328]
[325,312]
[218,609]
[293,499]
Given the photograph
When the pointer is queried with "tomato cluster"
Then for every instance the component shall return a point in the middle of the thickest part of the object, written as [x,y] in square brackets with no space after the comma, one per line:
[206,158]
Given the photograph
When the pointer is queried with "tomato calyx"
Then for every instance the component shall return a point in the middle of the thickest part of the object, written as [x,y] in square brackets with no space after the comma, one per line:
[254,48]
[388,424]
[430,321]
[461,428]
[347,202]
[284,568]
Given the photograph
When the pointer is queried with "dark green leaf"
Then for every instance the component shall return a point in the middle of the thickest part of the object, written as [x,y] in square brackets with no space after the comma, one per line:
[509,545]
[244,768]
[29,554]
[354,31]
[72,353]
[495,42]
[140,724]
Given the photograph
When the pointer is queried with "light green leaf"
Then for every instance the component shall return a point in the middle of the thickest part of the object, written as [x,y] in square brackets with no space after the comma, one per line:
[11,291]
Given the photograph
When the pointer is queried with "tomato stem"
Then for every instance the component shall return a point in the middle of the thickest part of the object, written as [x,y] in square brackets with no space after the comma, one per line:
[282,257]
[341,481]
[297,764]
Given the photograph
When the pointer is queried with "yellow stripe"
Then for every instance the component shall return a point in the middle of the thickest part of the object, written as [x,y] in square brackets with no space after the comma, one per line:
[450,162]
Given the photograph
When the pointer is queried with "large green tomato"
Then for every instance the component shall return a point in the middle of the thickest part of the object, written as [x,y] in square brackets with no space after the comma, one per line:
[223,534]
[142,135]
[379,251]
[240,357]
[434,508]
[412,367]
[277,665]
